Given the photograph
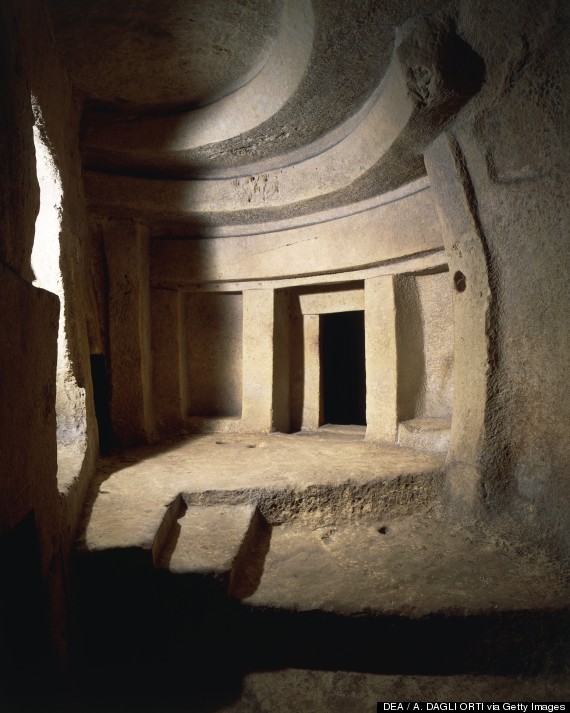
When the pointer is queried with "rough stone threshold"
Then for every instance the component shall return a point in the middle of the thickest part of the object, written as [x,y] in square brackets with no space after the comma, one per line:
[218,556]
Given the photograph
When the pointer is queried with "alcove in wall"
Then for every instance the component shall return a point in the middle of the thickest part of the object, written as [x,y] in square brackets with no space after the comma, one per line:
[425,359]
[213,343]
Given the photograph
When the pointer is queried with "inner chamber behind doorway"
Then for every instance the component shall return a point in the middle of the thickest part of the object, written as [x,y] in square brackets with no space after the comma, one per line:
[343,371]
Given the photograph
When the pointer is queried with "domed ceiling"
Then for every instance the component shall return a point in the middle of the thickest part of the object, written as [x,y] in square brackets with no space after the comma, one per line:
[238,115]
[149,55]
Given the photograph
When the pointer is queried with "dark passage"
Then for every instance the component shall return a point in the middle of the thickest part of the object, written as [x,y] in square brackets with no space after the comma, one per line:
[343,368]
[101,398]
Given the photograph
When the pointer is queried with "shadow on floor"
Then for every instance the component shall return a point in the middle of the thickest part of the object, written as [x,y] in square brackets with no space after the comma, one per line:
[159,642]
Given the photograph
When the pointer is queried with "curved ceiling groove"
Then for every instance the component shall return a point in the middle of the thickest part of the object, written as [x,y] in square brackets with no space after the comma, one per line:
[333,118]
[351,53]
[394,141]
[277,192]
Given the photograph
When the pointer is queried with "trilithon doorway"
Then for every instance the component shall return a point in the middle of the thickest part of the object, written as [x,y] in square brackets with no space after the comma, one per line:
[343,368]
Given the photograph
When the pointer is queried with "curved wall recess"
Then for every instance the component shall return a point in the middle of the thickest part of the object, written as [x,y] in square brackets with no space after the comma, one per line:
[46,264]
[157,146]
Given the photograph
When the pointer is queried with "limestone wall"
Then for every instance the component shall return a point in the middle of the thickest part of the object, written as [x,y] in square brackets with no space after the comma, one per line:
[425,346]
[33,468]
[435,296]
[213,325]
[510,151]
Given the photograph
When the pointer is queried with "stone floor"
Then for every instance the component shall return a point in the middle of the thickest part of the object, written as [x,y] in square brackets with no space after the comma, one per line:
[309,572]
[346,692]
[329,474]
[414,565]
[353,527]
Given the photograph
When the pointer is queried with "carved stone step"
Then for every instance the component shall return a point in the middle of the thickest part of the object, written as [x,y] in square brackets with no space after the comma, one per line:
[225,542]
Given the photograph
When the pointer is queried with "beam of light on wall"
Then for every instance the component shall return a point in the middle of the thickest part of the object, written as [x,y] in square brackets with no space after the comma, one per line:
[46,264]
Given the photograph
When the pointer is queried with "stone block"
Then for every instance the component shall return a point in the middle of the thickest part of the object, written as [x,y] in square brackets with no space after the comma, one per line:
[425,434]
[381,359]
[216,541]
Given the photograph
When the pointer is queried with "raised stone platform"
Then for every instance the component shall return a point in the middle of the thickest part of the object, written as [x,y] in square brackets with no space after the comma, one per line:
[323,476]
[315,520]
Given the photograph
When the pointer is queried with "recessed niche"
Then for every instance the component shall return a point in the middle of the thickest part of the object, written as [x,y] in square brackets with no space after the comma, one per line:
[213,327]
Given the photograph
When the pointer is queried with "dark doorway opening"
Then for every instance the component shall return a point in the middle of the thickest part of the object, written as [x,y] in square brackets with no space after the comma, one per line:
[101,398]
[343,368]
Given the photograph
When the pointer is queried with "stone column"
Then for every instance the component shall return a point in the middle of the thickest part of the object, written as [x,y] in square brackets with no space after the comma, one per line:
[474,312]
[265,390]
[165,311]
[126,249]
[258,321]
[381,360]
[312,394]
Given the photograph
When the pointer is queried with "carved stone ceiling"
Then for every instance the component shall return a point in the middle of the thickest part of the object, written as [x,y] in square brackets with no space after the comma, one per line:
[173,53]
[179,92]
